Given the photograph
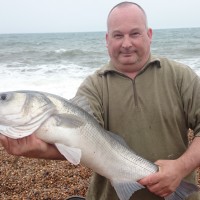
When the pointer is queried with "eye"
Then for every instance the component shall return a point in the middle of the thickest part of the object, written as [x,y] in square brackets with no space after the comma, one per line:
[135,34]
[117,36]
[3,96]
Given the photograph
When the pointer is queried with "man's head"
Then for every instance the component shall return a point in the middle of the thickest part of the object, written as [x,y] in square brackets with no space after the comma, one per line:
[128,37]
[128,3]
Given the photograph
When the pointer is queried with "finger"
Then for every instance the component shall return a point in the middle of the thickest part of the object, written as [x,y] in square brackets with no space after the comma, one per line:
[3,141]
[163,193]
[1,137]
[12,146]
[150,180]
[160,190]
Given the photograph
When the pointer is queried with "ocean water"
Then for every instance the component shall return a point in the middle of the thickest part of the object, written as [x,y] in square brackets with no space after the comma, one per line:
[59,62]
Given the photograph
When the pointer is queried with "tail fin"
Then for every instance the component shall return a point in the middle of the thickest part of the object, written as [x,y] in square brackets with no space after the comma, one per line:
[183,191]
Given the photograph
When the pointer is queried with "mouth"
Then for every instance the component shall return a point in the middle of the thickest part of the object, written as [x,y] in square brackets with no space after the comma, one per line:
[127,53]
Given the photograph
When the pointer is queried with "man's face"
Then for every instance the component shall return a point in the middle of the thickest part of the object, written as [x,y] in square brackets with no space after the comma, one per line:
[128,39]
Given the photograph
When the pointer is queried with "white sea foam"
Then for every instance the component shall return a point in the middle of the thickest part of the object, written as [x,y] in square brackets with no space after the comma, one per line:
[60,50]
[57,79]
[65,88]
[58,63]
[193,63]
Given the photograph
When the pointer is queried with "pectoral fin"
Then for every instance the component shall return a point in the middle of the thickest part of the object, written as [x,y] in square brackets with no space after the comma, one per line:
[69,120]
[73,155]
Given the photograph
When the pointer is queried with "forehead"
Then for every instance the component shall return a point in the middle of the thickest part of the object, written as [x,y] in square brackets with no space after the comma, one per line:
[126,17]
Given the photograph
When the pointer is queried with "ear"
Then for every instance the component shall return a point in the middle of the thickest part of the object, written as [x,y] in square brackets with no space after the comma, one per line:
[107,39]
[150,34]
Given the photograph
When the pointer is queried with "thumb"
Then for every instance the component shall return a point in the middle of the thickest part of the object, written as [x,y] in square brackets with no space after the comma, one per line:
[148,180]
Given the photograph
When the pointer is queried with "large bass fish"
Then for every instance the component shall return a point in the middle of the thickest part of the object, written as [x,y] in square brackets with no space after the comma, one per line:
[79,137]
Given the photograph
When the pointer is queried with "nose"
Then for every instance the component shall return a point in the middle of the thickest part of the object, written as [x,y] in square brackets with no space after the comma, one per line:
[126,42]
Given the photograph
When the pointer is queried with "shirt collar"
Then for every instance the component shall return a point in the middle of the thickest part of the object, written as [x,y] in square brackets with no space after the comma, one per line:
[109,67]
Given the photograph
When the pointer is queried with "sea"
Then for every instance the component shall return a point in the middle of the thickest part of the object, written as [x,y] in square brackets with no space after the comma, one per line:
[58,62]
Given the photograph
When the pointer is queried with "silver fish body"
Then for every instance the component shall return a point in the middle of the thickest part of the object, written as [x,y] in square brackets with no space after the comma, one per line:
[79,137]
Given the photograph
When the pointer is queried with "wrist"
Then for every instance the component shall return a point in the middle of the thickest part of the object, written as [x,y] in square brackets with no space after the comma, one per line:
[185,166]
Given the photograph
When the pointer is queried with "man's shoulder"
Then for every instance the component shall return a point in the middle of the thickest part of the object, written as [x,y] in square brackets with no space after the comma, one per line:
[97,75]
[174,65]
[164,61]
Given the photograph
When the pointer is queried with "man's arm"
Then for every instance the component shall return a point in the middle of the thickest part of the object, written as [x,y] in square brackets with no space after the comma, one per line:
[31,147]
[171,172]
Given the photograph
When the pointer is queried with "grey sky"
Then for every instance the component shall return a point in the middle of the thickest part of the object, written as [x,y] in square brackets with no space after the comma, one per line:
[33,16]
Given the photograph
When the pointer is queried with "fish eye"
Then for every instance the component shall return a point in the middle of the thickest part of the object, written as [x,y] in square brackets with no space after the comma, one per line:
[3,97]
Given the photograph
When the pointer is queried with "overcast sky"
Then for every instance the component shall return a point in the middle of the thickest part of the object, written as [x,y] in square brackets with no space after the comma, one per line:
[41,16]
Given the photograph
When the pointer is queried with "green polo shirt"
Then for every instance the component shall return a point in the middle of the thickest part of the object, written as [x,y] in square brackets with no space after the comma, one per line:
[152,112]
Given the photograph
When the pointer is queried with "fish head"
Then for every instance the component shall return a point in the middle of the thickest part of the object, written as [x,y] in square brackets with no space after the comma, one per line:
[23,111]
[11,103]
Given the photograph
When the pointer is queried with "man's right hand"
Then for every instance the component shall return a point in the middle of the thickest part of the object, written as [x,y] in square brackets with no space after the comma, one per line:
[31,147]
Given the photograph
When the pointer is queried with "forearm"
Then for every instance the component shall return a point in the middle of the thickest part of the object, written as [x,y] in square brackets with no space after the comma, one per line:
[171,172]
[190,160]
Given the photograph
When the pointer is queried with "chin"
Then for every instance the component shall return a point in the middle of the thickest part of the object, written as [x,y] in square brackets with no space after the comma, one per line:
[128,62]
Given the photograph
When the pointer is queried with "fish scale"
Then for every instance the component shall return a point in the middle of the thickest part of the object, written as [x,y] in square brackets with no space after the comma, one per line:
[79,137]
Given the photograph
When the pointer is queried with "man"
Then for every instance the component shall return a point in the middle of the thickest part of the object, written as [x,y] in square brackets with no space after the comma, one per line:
[150,101]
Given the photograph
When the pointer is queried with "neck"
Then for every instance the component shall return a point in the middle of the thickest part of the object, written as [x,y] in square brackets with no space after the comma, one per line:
[131,75]
[131,70]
